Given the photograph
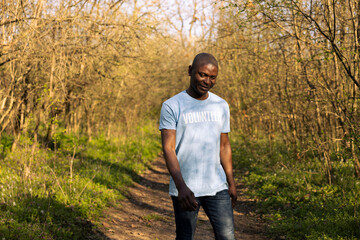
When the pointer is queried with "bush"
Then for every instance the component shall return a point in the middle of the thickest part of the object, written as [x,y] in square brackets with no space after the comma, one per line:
[294,197]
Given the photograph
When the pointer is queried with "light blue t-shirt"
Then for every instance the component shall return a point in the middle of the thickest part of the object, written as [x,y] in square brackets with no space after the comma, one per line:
[198,125]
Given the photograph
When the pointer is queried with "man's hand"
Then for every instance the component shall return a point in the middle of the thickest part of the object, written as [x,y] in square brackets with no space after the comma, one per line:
[233,194]
[187,199]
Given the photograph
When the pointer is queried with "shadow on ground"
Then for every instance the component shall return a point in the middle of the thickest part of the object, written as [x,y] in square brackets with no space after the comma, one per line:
[45,218]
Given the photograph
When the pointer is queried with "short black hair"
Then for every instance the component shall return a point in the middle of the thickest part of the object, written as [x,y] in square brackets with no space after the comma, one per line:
[204,58]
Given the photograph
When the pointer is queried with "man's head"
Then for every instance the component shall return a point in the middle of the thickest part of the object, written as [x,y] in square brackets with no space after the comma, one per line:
[203,73]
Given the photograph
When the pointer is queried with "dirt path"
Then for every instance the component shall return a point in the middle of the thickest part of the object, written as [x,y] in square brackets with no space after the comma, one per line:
[147,213]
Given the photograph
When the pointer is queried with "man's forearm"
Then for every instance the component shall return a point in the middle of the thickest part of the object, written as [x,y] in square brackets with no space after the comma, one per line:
[226,162]
[186,196]
[173,167]
[168,145]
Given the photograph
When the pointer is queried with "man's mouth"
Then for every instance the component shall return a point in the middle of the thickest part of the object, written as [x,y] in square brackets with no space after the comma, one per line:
[203,88]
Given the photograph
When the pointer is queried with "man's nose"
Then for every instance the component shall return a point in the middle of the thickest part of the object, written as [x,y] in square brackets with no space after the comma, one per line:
[207,80]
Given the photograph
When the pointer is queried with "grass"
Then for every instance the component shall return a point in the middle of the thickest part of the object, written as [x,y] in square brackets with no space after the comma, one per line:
[293,196]
[60,193]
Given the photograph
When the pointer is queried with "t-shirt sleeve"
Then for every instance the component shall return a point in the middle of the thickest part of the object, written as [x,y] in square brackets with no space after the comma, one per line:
[226,125]
[167,118]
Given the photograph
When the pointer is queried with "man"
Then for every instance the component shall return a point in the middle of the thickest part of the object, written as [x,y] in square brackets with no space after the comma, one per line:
[194,128]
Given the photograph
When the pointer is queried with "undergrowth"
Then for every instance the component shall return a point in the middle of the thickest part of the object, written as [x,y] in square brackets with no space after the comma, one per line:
[293,195]
[60,192]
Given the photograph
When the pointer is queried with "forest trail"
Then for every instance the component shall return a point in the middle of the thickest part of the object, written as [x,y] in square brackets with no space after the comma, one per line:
[147,212]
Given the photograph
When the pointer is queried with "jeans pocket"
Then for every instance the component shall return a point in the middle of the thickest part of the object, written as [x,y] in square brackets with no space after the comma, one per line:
[223,194]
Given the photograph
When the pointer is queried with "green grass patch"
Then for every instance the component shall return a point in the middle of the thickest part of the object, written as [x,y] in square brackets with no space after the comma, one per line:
[60,192]
[294,196]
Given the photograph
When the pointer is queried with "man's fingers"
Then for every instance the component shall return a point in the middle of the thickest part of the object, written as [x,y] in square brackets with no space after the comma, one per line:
[194,205]
[187,199]
[188,207]
[189,203]
[233,200]
[183,205]
[193,201]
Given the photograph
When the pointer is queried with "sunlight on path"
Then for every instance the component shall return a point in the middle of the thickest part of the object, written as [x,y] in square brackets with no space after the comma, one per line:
[147,212]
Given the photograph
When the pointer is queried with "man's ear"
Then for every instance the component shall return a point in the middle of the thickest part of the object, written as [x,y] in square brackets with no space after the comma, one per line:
[190,69]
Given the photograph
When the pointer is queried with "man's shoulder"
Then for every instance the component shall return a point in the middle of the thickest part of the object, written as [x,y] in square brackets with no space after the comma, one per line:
[217,98]
[175,99]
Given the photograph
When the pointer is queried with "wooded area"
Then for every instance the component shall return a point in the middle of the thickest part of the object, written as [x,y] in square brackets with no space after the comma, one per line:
[293,70]
[289,70]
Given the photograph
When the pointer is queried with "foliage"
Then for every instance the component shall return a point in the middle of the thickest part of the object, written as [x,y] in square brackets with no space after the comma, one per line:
[293,195]
[79,77]
[289,73]
[97,67]
[6,142]
[60,193]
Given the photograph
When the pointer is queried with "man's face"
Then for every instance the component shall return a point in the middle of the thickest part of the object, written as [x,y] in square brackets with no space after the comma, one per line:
[203,78]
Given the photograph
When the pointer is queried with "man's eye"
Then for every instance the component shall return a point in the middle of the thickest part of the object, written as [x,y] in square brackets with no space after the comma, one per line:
[201,74]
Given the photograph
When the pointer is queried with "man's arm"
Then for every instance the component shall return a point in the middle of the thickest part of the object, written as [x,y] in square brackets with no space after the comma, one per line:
[186,196]
[226,162]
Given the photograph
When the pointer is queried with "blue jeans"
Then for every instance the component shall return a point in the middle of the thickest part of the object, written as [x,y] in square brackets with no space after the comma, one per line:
[218,209]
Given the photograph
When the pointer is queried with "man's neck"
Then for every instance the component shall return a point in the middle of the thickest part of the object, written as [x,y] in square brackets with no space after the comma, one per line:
[193,94]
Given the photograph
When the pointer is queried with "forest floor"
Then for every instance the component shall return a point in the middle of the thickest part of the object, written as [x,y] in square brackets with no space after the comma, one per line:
[147,212]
